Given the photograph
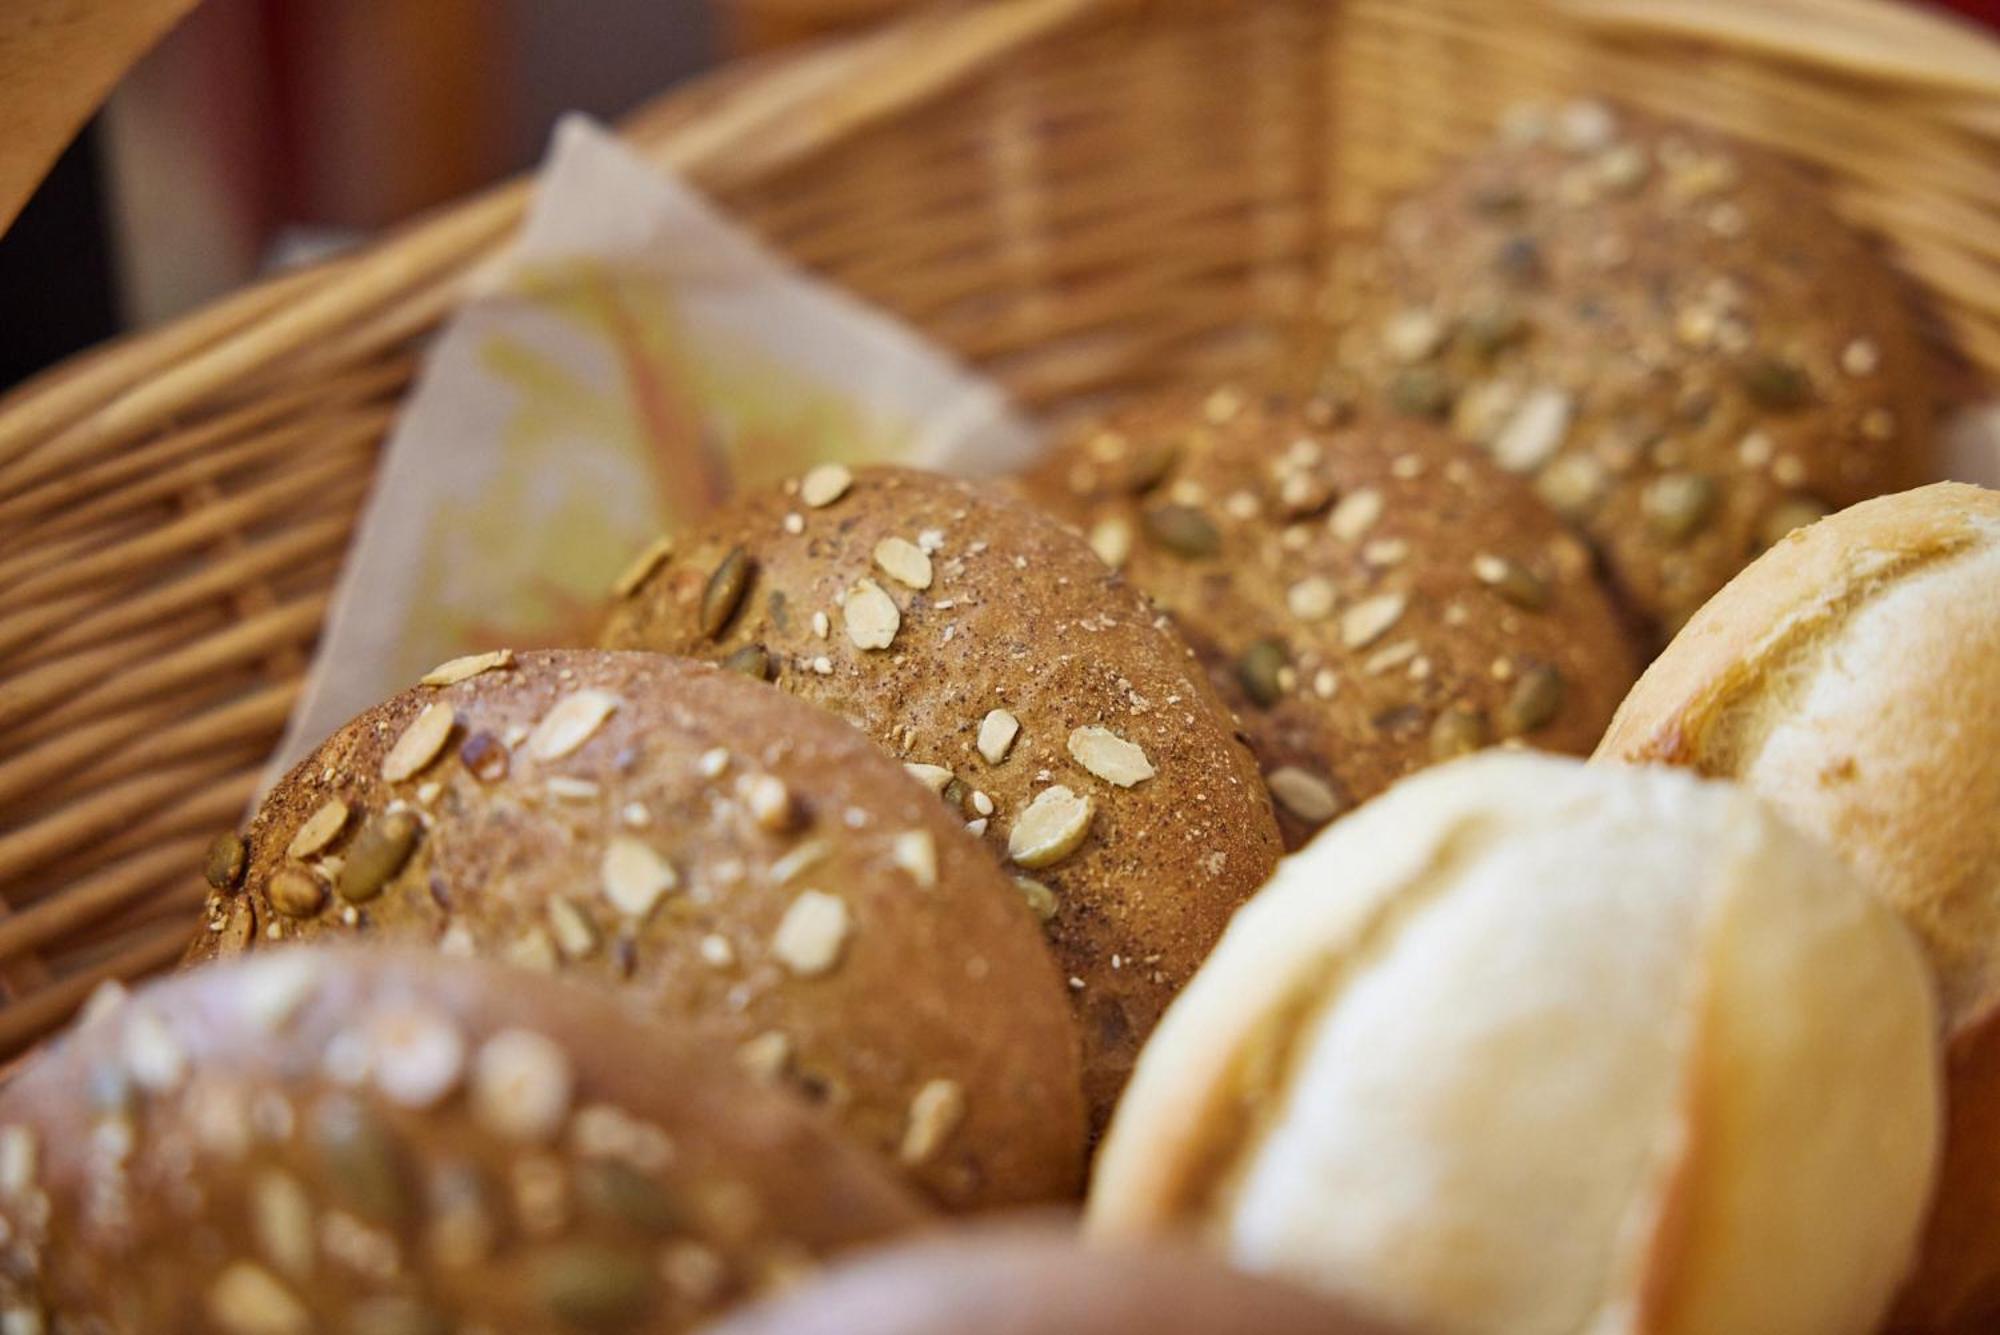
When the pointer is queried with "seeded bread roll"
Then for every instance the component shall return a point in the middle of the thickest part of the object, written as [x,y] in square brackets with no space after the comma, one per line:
[1851,678]
[731,857]
[1527,1045]
[1369,597]
[1054,709]
[1668,332]
[333,1140]
[1025,1280]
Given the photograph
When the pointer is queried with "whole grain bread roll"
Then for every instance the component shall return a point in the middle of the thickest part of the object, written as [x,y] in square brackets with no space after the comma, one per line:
[1368,595]
[1053,708]
[331,1139]
[1850,677]
[1529,1045]
[1038,1280]
[737,860]
[1667,331]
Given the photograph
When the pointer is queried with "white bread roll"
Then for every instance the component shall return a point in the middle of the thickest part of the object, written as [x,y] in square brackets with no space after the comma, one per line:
[1525,1047]
[1850,677]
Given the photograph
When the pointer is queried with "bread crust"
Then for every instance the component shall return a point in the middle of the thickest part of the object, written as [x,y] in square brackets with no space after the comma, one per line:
[1353,1091]
[340,1139]
[1850,677]
[1153,823]
[1667,331]
[1020,1279]
[1493,624]
[732,859]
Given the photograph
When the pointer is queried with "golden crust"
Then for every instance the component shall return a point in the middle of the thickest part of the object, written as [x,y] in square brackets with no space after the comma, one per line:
[1850,677]
[1107,708]
[1004,1281]
[1668,331]
[332,1139]
[723,854]
[1500,629]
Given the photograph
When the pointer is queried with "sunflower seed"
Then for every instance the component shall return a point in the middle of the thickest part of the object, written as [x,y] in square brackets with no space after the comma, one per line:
[319,829]
[1051,828]
[281,1220]
[904,562]
[824,484]
[1111,539]
[1356,514]
[466,668]
[933,777]
[770,802]
[1370,619]
[723,593]
[1534,432]
[935,1113]
[574,933]
[522,1083]
[634,877]
[871,616]
[916,853]
[1860,357]
[570,723]
[1678,505]
[1041,900]
[813,931]
[1413,335]
[1311,599]
[246,1299]
[420,742]
[1109,756]
[997,732]
[227,856]
[379,852]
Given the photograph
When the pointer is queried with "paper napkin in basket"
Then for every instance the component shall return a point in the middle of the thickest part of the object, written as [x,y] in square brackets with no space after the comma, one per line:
[633,358]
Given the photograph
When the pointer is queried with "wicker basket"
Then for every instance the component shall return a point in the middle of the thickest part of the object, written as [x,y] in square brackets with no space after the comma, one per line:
[1080,196]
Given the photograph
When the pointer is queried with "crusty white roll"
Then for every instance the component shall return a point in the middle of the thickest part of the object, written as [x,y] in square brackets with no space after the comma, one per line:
[1527,1046]
[1850,677]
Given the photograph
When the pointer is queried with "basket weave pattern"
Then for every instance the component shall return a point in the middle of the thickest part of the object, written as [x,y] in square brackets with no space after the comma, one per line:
[1082,197]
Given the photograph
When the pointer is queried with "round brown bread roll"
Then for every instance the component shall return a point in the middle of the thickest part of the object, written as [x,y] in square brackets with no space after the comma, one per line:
[1851,678]
[1023,1280]
[1057,712]
[1528,1045]
[734,858]
[1667,331]
[384,1141]
[1369,597]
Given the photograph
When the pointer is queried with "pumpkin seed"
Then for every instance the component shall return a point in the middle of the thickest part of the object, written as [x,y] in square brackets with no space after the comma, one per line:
[1305,795]
[1147,466]
[1258,671]
[1420,391]
[1794,512]
[724,592]
[1459,730]
[227,856]
[751,660]
[296,892]
[1775,384]
[1679,505]
[1491,328]
[615,1190]
[588,1286]
[1182,530]
[1535,699]
[1511,580]
[362,1160]
[379,852]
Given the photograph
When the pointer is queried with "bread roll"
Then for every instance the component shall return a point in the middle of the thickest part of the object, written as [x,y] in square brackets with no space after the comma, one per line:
[1055,710]
[1368,596]
[1532,1046]
[333,1140]
[733,858]
[1038,1280]
[1850,677]
[1666,331]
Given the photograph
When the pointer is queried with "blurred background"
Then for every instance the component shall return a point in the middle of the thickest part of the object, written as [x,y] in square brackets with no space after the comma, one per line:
[265,132]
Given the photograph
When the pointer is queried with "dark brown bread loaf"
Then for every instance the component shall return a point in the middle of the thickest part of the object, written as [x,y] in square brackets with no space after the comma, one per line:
[1023,1280]
[1054,709]
[729,856]
[1668,332]
[1369,596]
[384,1141]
